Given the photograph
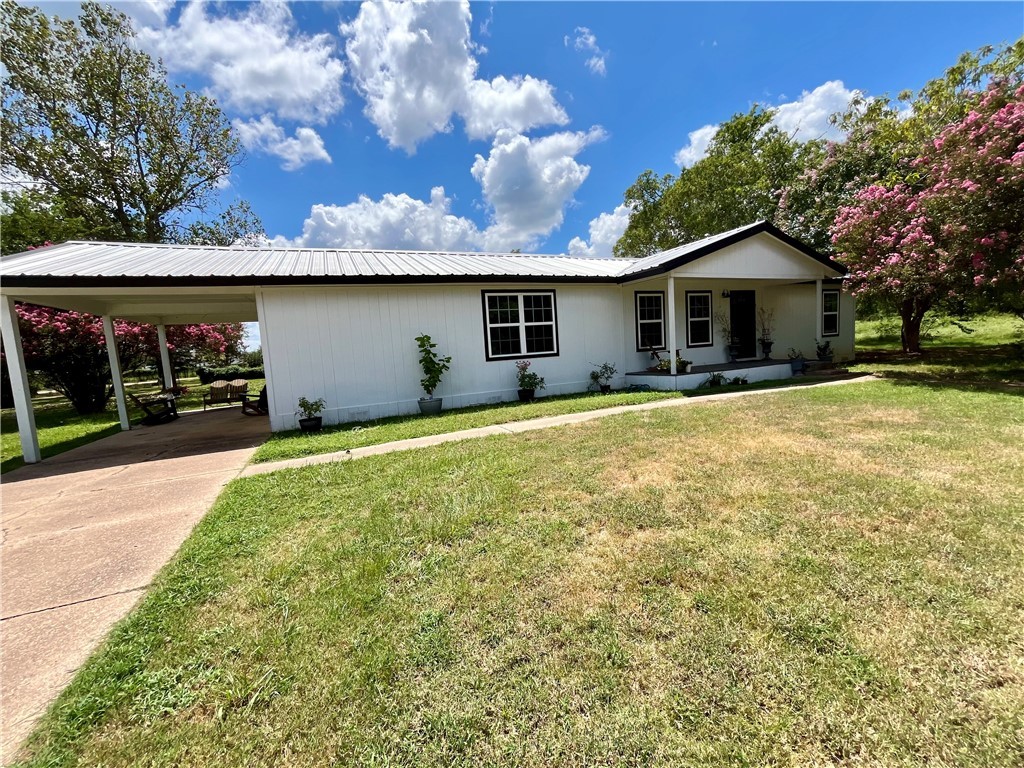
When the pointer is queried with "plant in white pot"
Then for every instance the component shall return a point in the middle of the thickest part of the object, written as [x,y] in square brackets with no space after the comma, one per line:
[434,367]
[310,410]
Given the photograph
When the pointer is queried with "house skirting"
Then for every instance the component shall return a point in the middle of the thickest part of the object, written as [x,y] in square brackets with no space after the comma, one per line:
[759,370]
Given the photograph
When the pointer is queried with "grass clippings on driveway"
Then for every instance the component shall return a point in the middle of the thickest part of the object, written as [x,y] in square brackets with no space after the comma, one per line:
[815,577]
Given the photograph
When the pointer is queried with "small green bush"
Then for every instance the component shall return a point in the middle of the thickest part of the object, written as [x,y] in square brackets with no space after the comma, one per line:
[228,372]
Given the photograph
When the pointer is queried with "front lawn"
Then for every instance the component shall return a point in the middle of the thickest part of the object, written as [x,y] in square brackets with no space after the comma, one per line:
[341,437]
[824,576]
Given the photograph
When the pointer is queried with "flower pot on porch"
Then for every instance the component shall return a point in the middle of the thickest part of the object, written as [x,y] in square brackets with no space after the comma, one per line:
[796,365]
[312,424]
[430,406]
[734,352]
[526,395]
[766,348]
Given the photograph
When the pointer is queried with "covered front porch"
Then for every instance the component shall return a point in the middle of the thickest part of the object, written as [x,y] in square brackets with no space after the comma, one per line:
[742,310]
[751,370]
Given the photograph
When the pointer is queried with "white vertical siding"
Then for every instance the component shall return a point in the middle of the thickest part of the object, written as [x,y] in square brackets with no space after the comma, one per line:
[355,346]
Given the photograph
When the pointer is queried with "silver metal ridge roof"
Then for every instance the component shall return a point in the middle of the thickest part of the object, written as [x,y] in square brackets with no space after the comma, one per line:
[97,263]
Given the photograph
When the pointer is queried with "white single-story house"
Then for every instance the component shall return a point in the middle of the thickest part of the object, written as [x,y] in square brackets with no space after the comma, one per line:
[341,324]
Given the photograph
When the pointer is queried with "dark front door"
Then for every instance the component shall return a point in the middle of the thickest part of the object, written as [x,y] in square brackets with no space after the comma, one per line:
[744,322]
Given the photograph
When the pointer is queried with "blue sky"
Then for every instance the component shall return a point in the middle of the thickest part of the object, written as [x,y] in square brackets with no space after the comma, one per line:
[520,125]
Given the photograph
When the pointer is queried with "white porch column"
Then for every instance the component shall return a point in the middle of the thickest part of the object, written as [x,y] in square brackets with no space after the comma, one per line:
[165,356]
[19,382]
[671,298]
[817,310]
[276,423]
[115,372]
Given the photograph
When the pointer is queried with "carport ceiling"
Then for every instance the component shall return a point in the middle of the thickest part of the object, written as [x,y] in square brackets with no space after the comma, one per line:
[169,306]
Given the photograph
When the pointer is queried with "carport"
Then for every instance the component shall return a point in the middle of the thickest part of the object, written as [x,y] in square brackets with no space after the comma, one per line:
[111,281]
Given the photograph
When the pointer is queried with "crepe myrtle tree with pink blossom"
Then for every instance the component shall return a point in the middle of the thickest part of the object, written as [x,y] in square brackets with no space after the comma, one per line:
[955,234]
[67,350]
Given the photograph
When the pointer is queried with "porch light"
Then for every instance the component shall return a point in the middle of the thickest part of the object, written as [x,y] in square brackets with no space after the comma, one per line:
[725,294]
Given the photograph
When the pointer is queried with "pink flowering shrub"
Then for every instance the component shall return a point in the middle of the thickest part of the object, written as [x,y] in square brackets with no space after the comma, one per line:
[68,349]
[960,232]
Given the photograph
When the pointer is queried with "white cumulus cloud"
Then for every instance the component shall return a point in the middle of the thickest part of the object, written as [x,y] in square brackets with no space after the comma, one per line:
[264,135]
[805,119]
[256,61]
[528,182]
[605,231]
[697,146]
[413,63]
[394,222]
[585,42]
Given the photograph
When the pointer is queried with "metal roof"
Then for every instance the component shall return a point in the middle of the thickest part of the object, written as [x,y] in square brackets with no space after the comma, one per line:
[102,263]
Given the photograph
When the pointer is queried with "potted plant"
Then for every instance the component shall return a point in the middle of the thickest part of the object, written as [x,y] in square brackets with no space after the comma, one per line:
[310,410]
[602,377]
[529,382]
[766,319]
[682,365]
[824,350]
[796,360]
[434,367]
[732,344]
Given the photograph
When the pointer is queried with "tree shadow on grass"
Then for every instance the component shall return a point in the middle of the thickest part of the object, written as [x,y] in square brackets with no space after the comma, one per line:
[995,368]
[65,445]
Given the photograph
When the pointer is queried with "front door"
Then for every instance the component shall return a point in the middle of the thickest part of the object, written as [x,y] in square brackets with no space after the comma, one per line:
[743,318]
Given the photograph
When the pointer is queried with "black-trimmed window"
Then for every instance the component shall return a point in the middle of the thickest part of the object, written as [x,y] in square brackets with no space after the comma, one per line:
[520,324]
[650,320]
[830,313]
[698,319]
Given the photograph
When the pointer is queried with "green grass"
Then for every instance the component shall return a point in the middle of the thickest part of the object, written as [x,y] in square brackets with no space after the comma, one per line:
[60,428]
[989,356]
[341,437]
[815,577]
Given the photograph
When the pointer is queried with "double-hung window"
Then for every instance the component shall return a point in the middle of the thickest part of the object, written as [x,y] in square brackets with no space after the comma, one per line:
[698,319]
[520,324]
[650,320]
[830,313]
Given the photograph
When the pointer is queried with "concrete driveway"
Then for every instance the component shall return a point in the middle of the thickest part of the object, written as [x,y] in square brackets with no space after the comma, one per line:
[83,535]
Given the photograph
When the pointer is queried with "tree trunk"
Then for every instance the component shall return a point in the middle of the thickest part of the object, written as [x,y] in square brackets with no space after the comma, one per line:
[912,312]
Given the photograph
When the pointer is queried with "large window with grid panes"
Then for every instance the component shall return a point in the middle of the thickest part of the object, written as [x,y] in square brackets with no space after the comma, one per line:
[650,320]
[520,324]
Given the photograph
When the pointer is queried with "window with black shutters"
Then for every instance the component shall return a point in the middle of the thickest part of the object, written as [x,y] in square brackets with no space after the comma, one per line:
[520,324]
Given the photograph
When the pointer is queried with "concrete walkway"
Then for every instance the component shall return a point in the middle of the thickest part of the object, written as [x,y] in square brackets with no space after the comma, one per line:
[515,427]
[83,535]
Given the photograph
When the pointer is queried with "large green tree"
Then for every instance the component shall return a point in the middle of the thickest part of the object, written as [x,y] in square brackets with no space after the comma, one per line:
[93,122]
[740,180]
[882,140]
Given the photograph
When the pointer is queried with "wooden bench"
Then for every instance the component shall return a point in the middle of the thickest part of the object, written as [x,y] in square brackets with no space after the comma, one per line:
[226,392]
[158,410]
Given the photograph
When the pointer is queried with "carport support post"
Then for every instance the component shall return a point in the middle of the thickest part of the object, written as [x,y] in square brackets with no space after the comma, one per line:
[671,298]
[115,372]
[165,356]
[19,382]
